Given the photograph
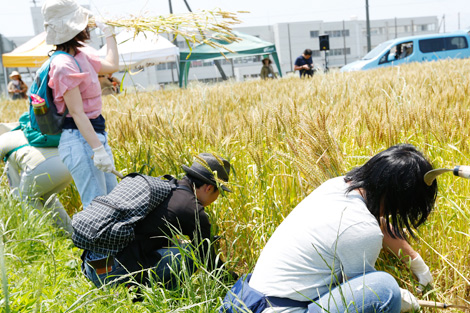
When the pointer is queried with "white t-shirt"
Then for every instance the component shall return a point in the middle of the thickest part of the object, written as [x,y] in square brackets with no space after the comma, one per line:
[329,231]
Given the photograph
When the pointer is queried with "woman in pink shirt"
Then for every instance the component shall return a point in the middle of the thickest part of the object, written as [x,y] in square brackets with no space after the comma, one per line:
[73,78]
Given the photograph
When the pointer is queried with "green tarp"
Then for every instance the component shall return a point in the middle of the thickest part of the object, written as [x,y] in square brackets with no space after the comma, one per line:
[247,45]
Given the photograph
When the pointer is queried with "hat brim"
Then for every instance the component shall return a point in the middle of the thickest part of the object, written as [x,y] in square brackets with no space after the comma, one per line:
[202,178]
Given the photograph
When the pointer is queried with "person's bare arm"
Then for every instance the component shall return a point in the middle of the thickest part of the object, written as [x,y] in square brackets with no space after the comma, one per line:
[11,88]
[24,88]
[399,247]
[402,249]
[111,62]
[73,100]
[303,67]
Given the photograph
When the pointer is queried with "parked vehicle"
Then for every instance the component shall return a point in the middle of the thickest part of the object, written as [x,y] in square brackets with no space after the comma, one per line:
[414,49]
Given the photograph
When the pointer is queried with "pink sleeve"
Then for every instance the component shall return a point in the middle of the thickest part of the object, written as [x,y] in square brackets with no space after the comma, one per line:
[64,75]
[92,57]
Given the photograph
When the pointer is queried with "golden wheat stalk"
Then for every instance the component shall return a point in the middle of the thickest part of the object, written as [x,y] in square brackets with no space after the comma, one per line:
[193,27]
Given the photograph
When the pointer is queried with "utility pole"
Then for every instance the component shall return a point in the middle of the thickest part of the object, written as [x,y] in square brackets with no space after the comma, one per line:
[396,28]
[216,62]
[369,46]
[290,47]
[5,74]
[171,7]
[444,20]
[174,42]
[344,44]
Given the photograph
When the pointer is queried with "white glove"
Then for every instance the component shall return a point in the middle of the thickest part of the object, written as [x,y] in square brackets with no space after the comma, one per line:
[102,160]
[408,301]
[421,270]
[107,30]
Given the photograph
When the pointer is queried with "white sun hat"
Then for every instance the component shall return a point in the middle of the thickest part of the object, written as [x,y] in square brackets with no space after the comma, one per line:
[63,20]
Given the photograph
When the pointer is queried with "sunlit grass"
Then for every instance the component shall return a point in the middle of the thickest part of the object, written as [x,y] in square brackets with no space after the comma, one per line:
[283,138]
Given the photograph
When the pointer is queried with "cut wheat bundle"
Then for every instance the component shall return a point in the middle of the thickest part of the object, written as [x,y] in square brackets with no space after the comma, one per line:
[194,28]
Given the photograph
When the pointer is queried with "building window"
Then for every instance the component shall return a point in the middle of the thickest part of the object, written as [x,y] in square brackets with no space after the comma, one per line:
[340,51]
[314,33]
[331,52]
[400,29]
[197,63]
[337,33]
[377,30]
[247,60]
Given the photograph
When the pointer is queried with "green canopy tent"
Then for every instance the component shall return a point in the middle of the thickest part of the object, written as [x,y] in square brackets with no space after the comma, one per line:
[247,45]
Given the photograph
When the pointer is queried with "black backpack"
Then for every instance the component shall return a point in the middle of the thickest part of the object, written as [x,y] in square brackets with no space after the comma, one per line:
[107,224]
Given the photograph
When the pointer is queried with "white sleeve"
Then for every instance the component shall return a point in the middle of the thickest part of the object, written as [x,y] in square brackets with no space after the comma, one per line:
[357,248]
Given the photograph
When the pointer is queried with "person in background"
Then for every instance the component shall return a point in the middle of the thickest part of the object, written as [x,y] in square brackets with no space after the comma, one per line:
[267,71]
[304,64]
[16,87]
[182,212]
[322,257]
[116,83]
[109,84]
[35,174]
[106,85]
[74,82]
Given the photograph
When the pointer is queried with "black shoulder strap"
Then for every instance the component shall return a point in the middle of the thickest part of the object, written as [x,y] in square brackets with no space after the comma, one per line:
[183,188]
[172,181]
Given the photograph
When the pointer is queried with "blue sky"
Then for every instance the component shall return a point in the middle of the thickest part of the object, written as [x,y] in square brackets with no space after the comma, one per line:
[15,17]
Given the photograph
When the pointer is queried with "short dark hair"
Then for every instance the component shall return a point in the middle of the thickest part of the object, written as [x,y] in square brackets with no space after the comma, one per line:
[395,178]
[308,52]
[76,42]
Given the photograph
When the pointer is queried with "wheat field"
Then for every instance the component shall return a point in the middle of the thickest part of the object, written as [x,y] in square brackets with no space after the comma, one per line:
[284,138]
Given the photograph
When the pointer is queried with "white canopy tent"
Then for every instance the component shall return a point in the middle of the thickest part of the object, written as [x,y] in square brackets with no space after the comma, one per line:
[143,50]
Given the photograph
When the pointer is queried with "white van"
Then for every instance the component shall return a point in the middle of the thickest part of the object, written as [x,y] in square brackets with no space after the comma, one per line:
[414,49]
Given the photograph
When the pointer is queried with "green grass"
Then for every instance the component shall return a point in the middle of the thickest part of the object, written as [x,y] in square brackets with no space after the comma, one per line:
[283,138]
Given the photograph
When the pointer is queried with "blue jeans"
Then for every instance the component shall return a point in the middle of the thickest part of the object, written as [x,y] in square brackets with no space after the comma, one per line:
[369,293]
[165,271]
[76,154]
